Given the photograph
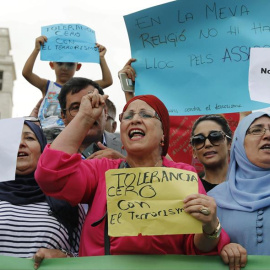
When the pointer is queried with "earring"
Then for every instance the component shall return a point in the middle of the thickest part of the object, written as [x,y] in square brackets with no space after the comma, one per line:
[122,147]
[162,143]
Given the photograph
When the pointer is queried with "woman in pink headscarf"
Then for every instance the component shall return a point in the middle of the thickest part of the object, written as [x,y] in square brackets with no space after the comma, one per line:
[144,129]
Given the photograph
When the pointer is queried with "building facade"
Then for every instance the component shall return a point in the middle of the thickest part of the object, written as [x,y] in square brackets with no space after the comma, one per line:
[7,75]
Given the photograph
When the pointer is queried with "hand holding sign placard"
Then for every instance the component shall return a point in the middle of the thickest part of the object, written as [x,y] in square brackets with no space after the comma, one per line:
[69,43]
[149,201]
[194,55]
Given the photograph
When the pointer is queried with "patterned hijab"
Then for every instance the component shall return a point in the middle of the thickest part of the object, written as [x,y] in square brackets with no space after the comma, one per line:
[248,186]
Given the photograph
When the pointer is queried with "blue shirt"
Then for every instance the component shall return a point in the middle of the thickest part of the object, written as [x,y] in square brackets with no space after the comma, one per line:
[249,229]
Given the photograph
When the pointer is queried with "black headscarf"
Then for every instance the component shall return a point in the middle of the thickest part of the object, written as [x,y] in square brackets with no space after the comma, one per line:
[25,190]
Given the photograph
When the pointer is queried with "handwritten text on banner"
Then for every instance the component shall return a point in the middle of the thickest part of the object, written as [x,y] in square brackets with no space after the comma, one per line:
[150,201]
[194,55]
[69,43]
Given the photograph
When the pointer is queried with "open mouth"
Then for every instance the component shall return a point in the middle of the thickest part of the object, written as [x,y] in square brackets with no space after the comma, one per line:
[136,133]
[22,154]
[266,146]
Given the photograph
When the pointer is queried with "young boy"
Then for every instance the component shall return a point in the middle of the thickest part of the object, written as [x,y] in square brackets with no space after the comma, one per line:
[50,113]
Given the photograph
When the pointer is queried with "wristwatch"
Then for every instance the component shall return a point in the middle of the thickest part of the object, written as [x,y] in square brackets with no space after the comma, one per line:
[67,253]
[216,233]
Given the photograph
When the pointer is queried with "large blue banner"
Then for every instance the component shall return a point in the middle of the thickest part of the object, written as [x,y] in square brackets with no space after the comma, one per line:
[194,54]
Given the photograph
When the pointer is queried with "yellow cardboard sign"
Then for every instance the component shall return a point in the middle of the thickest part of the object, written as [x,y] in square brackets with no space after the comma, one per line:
[149,201]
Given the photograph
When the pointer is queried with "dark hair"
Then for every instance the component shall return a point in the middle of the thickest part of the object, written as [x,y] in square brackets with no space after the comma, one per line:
[75,85]
[219,119]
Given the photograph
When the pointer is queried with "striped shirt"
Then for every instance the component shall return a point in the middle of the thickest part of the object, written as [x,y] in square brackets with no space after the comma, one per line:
[26,228]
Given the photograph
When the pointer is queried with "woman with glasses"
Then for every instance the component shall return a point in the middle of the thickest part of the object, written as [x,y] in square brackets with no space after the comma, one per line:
[30,221]
[145,136]
[244,199]
[211,139]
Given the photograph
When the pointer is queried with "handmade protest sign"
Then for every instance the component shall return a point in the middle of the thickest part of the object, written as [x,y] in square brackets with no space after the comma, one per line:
[194,55]
[10,137]
[149,201]
[69,43]
[259,74]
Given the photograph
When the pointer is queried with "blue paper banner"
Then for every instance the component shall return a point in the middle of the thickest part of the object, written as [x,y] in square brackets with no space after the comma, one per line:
[69,43]
[194,55]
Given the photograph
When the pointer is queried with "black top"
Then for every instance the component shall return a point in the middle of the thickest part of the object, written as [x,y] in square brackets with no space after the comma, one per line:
[207,186]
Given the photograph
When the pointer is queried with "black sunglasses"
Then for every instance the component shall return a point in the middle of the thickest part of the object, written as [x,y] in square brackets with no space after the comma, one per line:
[215,138]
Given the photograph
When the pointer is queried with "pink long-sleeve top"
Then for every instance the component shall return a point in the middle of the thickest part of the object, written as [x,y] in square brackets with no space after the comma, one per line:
[70,178]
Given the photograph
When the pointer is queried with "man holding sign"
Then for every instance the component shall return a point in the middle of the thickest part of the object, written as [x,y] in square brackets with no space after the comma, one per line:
[65,64]
[145,135]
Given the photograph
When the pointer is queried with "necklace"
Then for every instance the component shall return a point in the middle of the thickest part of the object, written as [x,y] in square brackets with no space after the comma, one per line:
[126,164]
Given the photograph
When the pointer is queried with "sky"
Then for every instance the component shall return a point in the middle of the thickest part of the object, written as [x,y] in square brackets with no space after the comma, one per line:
[25,18]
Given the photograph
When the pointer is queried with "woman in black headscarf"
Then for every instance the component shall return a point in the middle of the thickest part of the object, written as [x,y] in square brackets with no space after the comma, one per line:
[30,220]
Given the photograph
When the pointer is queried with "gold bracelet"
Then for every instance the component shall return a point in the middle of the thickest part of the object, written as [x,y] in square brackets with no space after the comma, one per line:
[216,233]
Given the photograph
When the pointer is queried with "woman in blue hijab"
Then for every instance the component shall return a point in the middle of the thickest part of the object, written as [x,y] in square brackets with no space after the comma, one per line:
[244,199]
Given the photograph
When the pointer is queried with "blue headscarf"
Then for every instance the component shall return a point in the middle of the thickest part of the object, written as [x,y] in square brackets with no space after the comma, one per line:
[38,132]
[248,186]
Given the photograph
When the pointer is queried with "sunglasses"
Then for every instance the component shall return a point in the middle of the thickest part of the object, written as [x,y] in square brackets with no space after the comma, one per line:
[215,138]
